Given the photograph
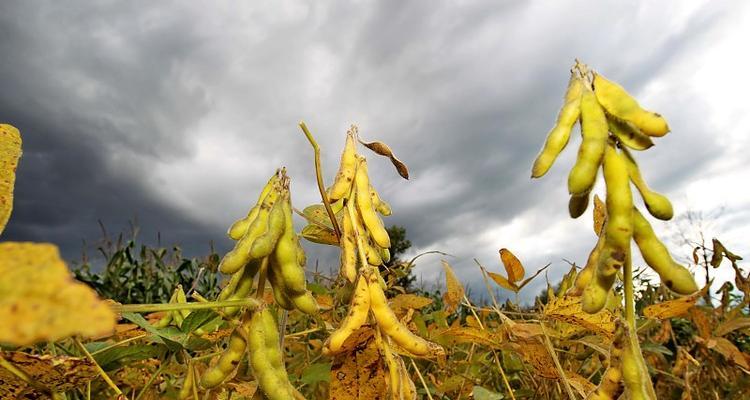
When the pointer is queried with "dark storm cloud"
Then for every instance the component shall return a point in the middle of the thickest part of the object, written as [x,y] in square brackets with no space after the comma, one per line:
[82,94]
[120,104]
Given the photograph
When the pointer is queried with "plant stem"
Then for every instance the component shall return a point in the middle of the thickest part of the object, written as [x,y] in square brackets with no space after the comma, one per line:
[319,177]
[98,367]
[629,297]
[151,381]
[122,308]
[261,289]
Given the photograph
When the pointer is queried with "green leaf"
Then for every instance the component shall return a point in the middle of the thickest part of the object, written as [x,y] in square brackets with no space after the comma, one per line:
[196,319]
[319,372]
[656,348]
[170,336]
[481,393]
[316,288]
[117,356]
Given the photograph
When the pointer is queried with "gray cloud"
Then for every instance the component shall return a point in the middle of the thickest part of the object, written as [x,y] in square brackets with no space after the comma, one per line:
[177,113]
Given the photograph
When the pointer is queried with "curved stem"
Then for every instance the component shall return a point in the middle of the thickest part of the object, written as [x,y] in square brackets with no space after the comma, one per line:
[319,177]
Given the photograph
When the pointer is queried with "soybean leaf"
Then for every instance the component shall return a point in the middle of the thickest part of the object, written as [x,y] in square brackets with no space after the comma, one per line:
[196,319]
[318,372]
[512,265]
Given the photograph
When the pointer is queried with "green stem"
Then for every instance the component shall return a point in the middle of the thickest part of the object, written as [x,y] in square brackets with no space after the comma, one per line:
[629,296]
[98,367]
[151,380]
[260,291]
[121,308]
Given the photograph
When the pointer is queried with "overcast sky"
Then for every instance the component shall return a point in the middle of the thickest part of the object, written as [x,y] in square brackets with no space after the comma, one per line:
[175,113]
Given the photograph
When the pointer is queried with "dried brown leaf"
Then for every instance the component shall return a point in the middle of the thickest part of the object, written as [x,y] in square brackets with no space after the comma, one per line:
[382,149]
[732,325]
[59,373]
[728,350]
[695,255]
[701,322]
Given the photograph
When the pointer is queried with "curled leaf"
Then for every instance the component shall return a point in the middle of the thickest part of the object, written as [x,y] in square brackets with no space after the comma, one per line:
[382,149]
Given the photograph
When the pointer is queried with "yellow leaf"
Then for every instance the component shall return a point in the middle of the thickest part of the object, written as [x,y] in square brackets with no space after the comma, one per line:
[472,335]
[512,265]
[526,330]
[535,353]
[316,214]
[56,373]
[359,374]
[472,322]
[673,308]
[39,301]
[502,281]
[600,215]
[567,309]
[454,289]
[405,301]
[10,152]
[319,234]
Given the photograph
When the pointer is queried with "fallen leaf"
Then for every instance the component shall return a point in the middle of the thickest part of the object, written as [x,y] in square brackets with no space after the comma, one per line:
[40,301]
[59,373]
